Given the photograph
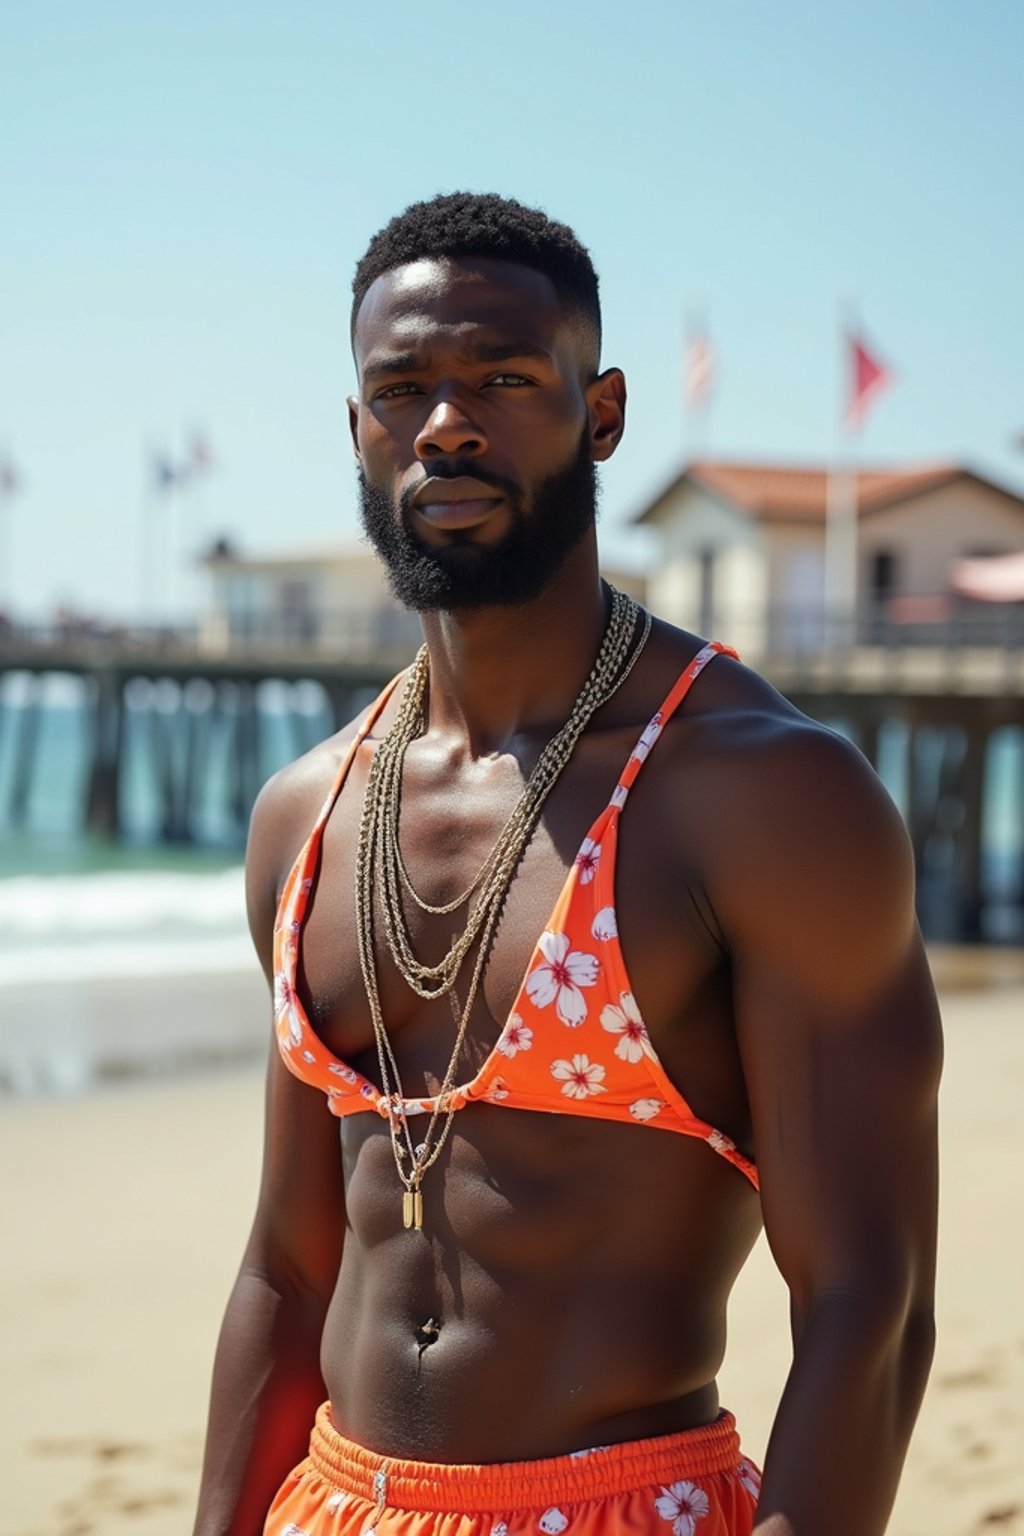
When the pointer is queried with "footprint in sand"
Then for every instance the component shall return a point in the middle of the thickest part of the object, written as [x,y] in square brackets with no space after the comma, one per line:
[975,1376]
[102,1450]
[1002,1515]
[101,1497]
[142,1503]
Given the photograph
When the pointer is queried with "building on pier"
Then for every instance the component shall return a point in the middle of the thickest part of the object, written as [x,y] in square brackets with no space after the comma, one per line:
[742,552]
[927,672]
[330,600]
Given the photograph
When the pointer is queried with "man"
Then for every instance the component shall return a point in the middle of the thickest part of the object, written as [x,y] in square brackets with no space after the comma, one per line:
[507,1275]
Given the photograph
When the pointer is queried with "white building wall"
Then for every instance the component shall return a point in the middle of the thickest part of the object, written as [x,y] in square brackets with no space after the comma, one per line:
[692,524]
[931,531]
[330,599]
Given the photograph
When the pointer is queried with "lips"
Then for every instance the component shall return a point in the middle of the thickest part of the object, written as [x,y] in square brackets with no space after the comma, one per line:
[459,503]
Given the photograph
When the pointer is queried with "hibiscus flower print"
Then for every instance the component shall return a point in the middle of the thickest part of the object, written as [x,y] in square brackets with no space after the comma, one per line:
[559,978]
[750,1477]
[345,1073]
[620,795]
[587,860]
[684,1504]
[625,1021]
[605,925]
[646,1109]
[516,1036]
[284,993]
[285,1012]
[648,737]
[497,1091]
[580,1077]
[719,1142]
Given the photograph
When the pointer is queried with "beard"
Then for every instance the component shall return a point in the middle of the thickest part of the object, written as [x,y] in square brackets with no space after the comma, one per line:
[464,575]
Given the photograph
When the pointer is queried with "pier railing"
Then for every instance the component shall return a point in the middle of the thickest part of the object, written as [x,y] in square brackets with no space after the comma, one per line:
[921,638]
[926,652]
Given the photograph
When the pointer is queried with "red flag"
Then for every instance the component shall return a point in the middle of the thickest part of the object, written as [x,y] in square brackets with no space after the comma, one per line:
[866,377]
[200,455]
[699,371]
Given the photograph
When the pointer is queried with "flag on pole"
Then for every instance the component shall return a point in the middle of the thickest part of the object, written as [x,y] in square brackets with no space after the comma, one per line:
[699,370]
[867,376]
[200,455]
[167,474]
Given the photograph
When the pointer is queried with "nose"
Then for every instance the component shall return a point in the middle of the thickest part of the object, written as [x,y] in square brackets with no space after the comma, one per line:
[449,431]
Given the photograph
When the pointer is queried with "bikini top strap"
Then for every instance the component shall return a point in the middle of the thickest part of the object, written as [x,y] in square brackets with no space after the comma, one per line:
[366,724]
[653,729]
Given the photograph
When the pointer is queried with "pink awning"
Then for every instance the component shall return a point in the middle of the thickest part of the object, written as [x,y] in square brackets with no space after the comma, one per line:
[990,578]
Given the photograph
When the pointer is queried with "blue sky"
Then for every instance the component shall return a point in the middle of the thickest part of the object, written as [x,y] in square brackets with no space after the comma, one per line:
[187,190]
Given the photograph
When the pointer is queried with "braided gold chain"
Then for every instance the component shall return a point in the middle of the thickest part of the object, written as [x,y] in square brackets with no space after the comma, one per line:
[380,868]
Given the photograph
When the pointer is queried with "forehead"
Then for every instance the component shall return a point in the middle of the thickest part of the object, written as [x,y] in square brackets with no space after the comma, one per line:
[447,299]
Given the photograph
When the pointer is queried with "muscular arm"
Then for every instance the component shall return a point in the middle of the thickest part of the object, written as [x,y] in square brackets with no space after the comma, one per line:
[839,1036]
[266,1380]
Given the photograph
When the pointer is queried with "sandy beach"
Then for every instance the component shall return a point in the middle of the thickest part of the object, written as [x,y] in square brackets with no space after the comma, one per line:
[123,1214]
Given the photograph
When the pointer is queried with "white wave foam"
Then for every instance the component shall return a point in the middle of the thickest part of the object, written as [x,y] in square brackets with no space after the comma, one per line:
[128,903]
[41,965]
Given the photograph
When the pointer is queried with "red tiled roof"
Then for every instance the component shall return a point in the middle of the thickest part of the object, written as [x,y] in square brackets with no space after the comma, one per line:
[791,493]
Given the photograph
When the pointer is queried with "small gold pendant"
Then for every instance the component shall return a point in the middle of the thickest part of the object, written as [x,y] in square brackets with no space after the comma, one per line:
[412,1209]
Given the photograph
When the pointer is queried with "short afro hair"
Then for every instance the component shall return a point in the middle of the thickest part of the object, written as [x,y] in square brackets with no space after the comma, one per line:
[483,224]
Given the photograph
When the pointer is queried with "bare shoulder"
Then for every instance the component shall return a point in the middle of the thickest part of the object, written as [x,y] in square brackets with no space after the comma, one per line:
[803,850]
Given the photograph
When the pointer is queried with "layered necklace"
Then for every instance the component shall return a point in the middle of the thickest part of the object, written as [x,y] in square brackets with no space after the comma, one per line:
[381,869]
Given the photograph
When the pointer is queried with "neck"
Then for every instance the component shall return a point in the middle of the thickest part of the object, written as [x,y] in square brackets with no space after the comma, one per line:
[497,672]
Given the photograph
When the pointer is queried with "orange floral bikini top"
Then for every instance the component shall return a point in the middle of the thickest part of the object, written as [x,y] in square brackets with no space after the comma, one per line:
[575,1042]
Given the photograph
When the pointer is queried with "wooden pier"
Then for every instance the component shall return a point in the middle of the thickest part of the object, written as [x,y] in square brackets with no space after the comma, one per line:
[183,696]
[947,693]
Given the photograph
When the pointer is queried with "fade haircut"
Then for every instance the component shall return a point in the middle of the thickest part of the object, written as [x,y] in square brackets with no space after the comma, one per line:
[483,224]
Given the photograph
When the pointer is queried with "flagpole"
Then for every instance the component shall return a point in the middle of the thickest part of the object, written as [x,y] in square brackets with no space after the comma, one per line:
[697,384]
[198,464]
[8,491]
[841,507]
[147,526]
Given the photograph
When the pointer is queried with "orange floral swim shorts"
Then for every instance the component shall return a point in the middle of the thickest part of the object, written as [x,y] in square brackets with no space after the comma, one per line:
[695,1483]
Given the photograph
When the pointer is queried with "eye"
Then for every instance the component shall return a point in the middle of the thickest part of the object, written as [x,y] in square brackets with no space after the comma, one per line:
[395,391]
[510,378]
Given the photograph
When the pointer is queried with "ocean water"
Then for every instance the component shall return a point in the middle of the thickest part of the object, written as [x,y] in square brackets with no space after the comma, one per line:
[130,955]
[80,912]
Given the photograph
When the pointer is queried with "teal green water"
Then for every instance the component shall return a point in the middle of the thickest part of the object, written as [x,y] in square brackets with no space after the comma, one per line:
[51,839]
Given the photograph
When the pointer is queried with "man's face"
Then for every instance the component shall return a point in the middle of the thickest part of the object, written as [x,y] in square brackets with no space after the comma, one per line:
[478,421]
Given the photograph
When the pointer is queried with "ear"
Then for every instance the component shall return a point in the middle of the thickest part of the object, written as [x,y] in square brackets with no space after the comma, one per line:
[353,426]
[606,404]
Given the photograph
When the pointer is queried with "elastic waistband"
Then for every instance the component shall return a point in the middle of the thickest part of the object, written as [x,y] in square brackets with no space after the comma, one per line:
[439,1487]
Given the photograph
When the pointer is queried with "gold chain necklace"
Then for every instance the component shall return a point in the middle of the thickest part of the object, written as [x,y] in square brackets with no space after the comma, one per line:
[432,981]
[379,865]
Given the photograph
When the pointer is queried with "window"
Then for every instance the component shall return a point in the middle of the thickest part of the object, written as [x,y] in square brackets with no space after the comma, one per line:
[883,576]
